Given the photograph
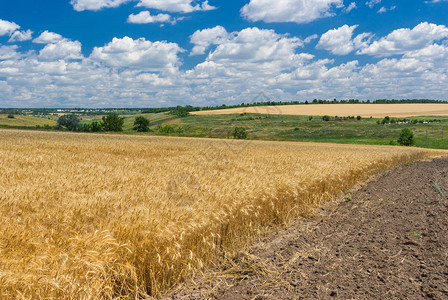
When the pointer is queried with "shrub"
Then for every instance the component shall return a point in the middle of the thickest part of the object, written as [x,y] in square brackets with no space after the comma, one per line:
[11,116]
[239,133]
[141,124]
[71,122]
[406,138]
[358,118]
[112,122]
[167,129]
[326,118]
[386,120]
[310,118]
[393,143]
[95,126]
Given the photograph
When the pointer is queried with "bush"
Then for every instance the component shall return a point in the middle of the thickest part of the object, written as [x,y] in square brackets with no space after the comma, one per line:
[386,120]
[239,133]
[71,122]
[93,127]
[11,116]
[393,143]
[141,124]
[167,129]
[326,118]
[406,138]
[310,118]
[358,118]
[112,122]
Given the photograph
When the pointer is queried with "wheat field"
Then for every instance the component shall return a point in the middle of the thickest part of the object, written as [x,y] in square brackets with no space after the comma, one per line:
[109,216]
[363,110]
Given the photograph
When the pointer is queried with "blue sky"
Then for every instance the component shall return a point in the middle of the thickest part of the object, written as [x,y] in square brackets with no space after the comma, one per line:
[151,53]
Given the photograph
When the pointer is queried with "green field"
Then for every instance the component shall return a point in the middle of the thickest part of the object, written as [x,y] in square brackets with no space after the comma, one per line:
[25,121]
[275,127]
[301,128]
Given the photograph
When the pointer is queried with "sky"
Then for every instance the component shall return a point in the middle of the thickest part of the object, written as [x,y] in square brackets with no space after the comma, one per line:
[157,53]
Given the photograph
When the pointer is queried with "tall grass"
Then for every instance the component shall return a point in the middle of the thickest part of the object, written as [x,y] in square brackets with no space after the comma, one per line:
[103,216]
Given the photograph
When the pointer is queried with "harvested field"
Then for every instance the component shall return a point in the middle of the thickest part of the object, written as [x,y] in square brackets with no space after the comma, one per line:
[363,110]
[383,240]
[107,216]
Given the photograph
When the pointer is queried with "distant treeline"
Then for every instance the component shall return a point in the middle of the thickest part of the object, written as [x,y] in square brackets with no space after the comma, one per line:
[393,101]
[185,110]
[83,111]
[176,110]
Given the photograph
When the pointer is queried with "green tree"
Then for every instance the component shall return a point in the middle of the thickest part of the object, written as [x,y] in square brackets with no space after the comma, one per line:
[181,112]
[112,122]
[326,118]
[11,116]
[141,124]
[71,122]
[406,138]
[239,133]
[358,118]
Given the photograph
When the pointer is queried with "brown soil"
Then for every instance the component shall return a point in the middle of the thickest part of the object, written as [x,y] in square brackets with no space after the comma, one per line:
[386,239]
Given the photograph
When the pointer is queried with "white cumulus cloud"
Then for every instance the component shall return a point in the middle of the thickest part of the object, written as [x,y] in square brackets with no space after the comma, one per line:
[8,52]
[7,28]
[182,6]
[47,37]
[81,5]
[403,40]
[338,41]
[63,49]
[298,11]
[145,17]
[203,39]
[21,36]
[256,45]
[139,53]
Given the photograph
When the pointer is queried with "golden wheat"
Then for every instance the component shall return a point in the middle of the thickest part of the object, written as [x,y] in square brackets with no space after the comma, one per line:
[107,216]
[363,110]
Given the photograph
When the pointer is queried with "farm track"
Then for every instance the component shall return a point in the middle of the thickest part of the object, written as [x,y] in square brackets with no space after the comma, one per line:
[386,239]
